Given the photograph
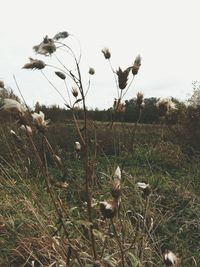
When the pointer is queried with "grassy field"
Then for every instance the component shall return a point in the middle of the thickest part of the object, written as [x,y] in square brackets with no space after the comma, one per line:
[148,222]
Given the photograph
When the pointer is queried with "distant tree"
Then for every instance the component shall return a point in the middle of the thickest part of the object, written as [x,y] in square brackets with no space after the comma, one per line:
[149,112]
[191,120]
[195,98]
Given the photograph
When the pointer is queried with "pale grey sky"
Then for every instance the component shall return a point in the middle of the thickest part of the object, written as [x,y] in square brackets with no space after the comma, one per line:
[164,32]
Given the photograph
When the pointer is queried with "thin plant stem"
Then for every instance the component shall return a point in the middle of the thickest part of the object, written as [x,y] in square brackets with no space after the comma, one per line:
[80,50]
[65,101]
[119,243]
[55,67]
[18,88]
[128,87]
[117,86]
[71,51]
[68,93]
[88,87]
[77,127]
[87,167]
[48,184]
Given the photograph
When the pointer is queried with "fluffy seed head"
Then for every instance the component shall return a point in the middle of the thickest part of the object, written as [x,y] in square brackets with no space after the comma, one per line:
[12,132]
[170,259]
[116,189]
[46,47]
[106,53]
[39,121]
[117,174]
[165,105]
[27,129]
[136,65]
[77,146]
[34,64]
[11,105]
[140,99]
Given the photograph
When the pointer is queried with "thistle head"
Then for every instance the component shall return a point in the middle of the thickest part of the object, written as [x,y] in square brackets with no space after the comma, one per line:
[117,175]
[34,64]
[140,99]
[11,106]
[116,189]
[169,258]
[165,105]
[40,123]
[136,65]
[106,53]
[74,91]
[91,71]
[122,77]
[108,210]
[77,146]
[118,106]
[61,35]
[46,47]
[61,75]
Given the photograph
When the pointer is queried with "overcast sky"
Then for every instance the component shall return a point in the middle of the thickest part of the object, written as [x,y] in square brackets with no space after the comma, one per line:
[164,32]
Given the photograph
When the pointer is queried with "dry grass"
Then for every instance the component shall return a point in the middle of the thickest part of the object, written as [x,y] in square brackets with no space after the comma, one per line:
[30,233]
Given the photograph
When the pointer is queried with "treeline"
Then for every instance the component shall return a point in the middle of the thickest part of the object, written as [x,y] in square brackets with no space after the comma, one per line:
[149,113]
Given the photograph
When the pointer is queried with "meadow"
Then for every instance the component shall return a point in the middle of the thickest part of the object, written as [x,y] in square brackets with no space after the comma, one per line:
[89,193]
[167,217]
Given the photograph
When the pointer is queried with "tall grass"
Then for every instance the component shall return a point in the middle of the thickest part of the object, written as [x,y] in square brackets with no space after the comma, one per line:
[126,198]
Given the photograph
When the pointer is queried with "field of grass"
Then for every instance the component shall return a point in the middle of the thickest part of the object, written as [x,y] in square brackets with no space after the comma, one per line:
[148,222]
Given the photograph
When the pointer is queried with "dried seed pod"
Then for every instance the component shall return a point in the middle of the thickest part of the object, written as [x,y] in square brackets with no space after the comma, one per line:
[74,91]
[91,71]
[61,35]
[106,53]
[116,189]
[61,75]
[122,77]
[118,106]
